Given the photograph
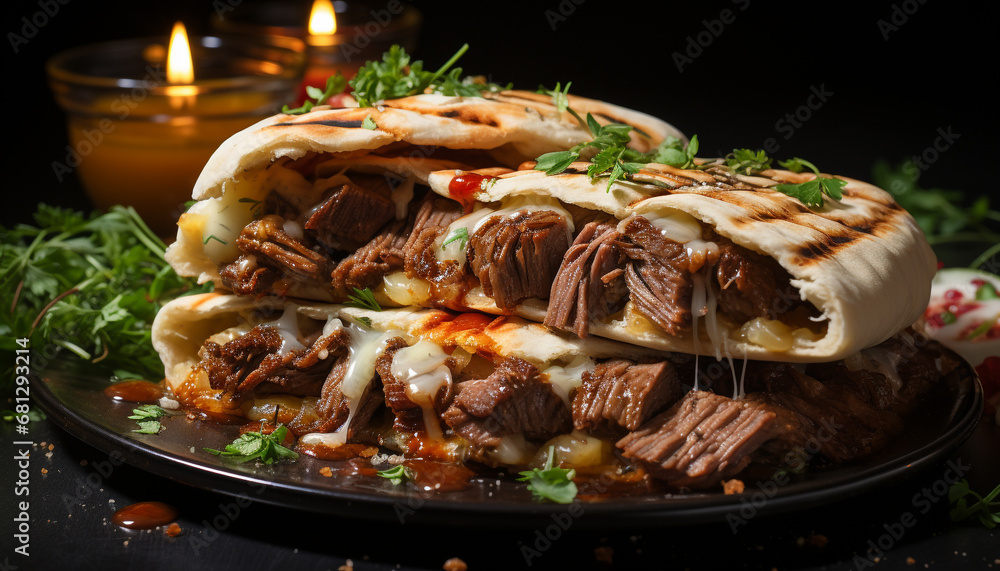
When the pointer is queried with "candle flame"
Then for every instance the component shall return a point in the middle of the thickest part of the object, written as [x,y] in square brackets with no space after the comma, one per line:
[180,69]
[322,21]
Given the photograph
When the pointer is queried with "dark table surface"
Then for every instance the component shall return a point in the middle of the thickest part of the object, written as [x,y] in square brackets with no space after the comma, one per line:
[75,489]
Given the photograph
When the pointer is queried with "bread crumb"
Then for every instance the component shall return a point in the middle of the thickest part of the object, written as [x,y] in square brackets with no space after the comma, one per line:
[369,452]
[910,561]
[52,446]
[44,471]
[454,564]
[605,554]
[326,471]
[347,566]
[173,530]
[125,543]
[818,539]
[734,486]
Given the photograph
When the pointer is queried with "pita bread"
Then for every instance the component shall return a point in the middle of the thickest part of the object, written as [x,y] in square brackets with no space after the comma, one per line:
[414,136]
[183,325]
[862,261]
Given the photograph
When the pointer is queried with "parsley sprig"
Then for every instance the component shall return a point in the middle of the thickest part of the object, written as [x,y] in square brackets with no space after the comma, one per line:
[987,509]
[748,162]
[397,76]
[460,235]
[147,417]
[811,192]
[90,285]
[364,298]
[266,448]
[554,484]
[397,475]
[335,84]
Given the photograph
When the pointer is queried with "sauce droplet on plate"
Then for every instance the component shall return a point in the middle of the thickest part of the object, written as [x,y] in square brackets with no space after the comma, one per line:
[135,391]
[144,515]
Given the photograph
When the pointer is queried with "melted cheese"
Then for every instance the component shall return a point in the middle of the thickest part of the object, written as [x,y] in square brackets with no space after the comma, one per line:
[288,327]
[402,195]
[674,225]
[513,450]
[404,290]
[564,380]
[366,345]
[423,369]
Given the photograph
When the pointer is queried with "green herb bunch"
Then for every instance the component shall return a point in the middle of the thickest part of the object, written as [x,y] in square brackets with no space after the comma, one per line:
[87,286]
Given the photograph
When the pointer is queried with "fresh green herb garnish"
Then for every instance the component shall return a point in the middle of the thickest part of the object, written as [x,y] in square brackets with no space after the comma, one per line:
[149,427]
[460,234]
[948,318]
[560,98]
[397,475]
[369,123]
[255,445]
[941,214]
[365,299]
[673,152]
[335,84]
[216,238]
[256,206]
[745,161]
[812,191]
[396,76]
[147,411]
[986,292]
[88,284]
[554,484]
[366,321]
[987,509]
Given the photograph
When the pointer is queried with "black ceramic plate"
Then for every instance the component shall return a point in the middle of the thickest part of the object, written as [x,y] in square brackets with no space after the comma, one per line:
[946,417]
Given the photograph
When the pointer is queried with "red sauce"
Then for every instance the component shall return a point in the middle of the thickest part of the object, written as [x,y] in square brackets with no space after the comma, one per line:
[324,452]
[135,391]
[144,515]
[431,475]
[356,467]
[464,186]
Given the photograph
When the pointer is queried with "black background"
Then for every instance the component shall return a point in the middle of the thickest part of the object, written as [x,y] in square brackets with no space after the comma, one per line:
[936,70]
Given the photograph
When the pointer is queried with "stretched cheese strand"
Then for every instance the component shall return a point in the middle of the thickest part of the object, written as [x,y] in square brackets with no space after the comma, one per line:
[423,368]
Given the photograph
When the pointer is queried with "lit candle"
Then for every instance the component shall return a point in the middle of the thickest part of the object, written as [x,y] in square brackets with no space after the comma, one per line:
[140,134]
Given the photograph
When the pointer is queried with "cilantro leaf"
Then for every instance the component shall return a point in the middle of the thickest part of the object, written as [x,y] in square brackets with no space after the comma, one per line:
[147,411]
[335,84]
[369,123]
[672,152]
[149,427]
[86,285]
[460,235]
[556,162]
[365,299]
[796,164]
[554,484]
[986,509]
[745,161]
[397,475]
[266,448]
[812,191]
[396,76]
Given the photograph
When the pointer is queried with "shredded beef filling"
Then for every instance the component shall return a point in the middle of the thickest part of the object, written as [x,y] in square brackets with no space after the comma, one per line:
[366,267]
[657,276]
[624,394]
[590,283]
[701,440]
[352,213]
[516,257]
[512,400]
[409,415]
